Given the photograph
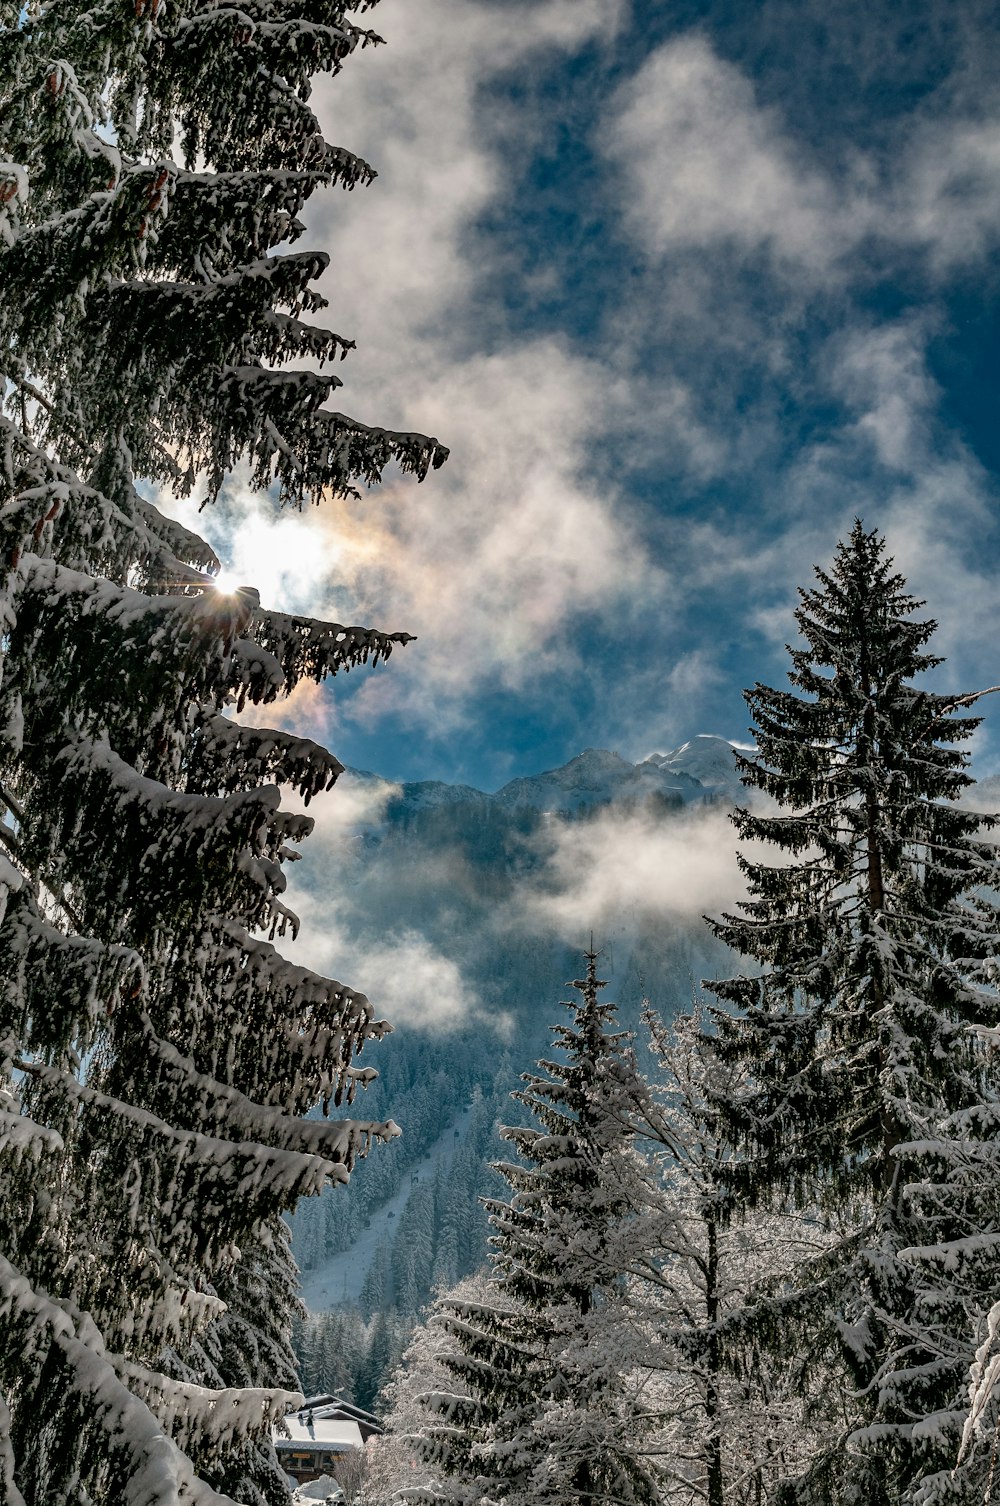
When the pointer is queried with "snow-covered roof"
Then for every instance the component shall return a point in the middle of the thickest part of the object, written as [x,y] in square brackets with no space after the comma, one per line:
[336,1433]
[331,1404]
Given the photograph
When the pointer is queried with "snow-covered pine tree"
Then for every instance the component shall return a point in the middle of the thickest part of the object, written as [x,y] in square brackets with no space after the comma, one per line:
[549,1407]
[867,1093]
[158,1055]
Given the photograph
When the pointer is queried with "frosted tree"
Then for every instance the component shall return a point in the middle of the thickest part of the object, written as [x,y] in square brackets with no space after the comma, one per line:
[730,1423]
[867,1094]
[393,1462]
[159,1054]
[547,1404]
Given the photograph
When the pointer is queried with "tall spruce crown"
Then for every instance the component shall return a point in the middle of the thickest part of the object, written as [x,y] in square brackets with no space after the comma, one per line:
[868,1093]
[159,1054]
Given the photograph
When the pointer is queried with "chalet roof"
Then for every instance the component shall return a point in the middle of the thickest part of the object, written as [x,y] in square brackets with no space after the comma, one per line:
[346,1408]
[340,1434]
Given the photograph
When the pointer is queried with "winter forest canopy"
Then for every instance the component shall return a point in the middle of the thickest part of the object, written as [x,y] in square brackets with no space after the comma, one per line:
[787,1293]
[160,1054]
[742,1253]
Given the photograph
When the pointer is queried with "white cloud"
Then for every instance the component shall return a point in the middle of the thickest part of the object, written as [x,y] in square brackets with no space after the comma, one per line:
[882,374]
[688,678]
[307,712]
[494,558]
[408,980]
[344,813]
[516,544]
[411,275]
[950,197]
[705,164]
[630,866]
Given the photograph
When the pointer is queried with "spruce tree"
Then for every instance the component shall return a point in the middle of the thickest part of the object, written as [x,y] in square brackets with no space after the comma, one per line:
[159,1054]
[868,1095]
[548,1406]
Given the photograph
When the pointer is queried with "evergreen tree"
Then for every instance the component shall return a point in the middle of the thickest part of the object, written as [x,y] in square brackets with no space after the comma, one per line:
[867,1094]
[376,1291]
[327,1348]
[158,1056]
[413,1250]
[547,1407]
[387,1335]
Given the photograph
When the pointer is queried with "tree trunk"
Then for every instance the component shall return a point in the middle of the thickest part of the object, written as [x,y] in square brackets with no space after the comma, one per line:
[714,1442]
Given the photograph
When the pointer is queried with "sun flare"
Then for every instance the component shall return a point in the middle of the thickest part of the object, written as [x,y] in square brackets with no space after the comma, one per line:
[227,583]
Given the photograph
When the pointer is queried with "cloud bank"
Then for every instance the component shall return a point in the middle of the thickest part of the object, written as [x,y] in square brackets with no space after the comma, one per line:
[678,333]
[704,163]
[631,869]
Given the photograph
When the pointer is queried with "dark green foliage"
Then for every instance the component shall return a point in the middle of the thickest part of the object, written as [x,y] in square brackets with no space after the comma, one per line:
[867,1094]
[346,1354]
[159,1057]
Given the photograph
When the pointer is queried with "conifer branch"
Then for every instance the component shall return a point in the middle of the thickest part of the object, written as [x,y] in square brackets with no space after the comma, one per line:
[13,845]
[964,700]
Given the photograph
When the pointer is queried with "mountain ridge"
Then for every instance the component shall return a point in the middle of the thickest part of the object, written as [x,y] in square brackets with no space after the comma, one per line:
[703,768]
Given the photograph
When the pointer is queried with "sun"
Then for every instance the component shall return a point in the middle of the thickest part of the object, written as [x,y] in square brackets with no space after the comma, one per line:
[227,583]
[287,560]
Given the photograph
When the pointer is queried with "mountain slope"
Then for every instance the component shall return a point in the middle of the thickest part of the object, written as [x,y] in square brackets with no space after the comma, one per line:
[442,887]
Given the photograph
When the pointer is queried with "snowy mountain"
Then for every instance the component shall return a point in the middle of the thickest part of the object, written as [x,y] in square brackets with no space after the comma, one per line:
[708,760]
[595,778]
[702,769]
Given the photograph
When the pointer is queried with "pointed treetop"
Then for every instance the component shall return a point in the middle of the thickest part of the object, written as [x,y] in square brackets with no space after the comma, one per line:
[589,986]
[859,597]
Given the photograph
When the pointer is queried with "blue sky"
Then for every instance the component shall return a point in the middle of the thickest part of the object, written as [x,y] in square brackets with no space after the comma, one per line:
[685,287]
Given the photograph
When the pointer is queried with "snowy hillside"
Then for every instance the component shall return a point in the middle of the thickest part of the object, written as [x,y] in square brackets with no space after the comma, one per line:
[340,1278]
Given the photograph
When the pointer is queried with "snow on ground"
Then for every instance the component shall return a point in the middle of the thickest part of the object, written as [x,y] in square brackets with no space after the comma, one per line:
[340,1278]
[325,1488]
